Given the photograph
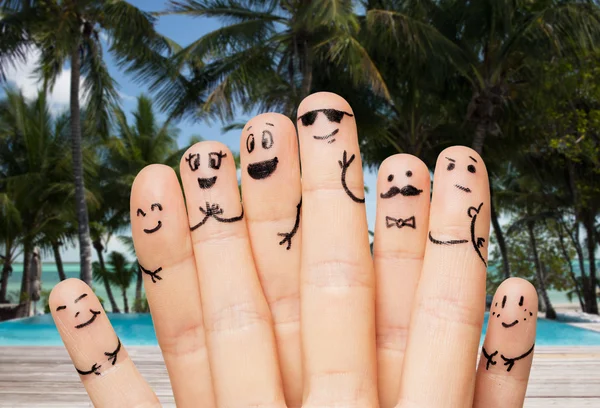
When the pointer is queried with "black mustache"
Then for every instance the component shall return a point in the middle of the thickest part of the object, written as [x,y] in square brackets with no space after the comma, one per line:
[406,191]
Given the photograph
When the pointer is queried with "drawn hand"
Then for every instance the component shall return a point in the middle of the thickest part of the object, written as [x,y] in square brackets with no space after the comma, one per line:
[234,295]
[480,242]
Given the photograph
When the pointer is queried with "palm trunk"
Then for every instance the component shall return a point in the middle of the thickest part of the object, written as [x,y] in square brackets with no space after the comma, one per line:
[499,236]
[307,71]
[565,254]
[480,133]
[591,248]
[111,298]
[550,313]
[58,260]
[25,294]
[85,245]
[125,303]
[138,291]
[6,270]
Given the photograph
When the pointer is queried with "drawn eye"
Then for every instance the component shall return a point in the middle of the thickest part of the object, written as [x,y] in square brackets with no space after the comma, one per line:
[409,173]
[390,177]
[471,168]
[214,159]
[156,205]
[334,115]
[267,139]
[140,212]
[250,143]
[451,166]
[193,160]
[309,118]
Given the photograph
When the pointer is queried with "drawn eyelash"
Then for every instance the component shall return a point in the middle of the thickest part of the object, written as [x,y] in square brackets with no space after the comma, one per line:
[214,159]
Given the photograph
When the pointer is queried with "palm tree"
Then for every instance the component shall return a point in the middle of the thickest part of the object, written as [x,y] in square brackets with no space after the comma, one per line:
[10,237]
[36,173]
[266,55]
[69,31]
[121,274]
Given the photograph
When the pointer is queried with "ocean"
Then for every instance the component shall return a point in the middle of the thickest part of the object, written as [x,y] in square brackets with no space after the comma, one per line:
[50,278]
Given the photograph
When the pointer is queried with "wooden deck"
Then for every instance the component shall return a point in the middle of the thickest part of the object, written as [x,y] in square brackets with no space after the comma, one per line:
[563,377]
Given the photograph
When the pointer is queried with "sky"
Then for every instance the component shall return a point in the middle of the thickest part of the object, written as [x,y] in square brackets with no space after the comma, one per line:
[182,30]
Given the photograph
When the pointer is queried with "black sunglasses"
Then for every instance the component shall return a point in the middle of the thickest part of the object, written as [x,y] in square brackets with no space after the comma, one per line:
[333,115]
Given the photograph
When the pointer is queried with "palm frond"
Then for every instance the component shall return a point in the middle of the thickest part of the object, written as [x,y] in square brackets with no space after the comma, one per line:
[99,89]
[229,11]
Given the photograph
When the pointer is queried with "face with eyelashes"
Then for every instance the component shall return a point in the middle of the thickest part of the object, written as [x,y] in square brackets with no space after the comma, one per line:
[153,207]
[86,319]
[332,115]
[214,162]
[470,167]
[497,311]
[263,169]
[407,191]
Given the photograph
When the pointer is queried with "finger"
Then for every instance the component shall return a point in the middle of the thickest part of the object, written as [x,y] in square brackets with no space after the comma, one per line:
[401,229]
[271,193]
[507,352]
[108,374]
[163,246]
[337,279]
[241,345]
[449,304]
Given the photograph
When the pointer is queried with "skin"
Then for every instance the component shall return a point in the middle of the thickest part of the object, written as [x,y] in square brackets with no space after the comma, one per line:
[244,322]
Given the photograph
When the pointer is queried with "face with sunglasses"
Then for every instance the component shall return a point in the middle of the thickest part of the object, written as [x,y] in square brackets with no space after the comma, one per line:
[332,115]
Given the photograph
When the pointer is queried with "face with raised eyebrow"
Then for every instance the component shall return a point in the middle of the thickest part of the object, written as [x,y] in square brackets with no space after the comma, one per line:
[154,208]
[263,138]
[459,164]
[85,321]
[214,162]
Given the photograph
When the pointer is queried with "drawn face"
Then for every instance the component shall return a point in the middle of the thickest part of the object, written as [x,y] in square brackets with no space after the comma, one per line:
[214,162]
[262,169]
[153,207]
[407,191]
[452,165]
[87,320]
[332,115]
[497,312]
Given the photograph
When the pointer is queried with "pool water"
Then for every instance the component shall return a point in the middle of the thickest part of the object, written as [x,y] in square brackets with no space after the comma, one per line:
[137,330]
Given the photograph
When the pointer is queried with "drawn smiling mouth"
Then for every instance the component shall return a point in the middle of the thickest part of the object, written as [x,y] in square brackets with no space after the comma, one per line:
[406,191]
[335,132]
[262,169]
[465,189]
[94,315]
[510,325]
[205,183]
[150,231]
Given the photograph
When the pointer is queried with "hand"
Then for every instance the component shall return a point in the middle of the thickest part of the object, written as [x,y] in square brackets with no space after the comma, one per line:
[246,319]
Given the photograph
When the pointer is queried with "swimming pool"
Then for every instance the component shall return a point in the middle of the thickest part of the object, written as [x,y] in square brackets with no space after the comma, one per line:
[137,330]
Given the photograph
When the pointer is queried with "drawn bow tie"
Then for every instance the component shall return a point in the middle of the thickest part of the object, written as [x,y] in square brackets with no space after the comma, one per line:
[409,222]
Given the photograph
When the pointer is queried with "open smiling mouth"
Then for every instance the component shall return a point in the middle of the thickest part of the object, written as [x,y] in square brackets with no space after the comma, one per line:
[262,169]
[465,189]
[335,132]
[94,314]
[509,325]
[150,231]
[205,183]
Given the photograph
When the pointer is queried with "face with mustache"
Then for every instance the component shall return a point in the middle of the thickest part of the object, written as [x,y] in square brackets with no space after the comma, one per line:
[407,191]
[214,162]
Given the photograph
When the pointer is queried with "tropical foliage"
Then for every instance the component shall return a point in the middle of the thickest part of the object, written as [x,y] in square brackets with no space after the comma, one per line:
[517,80]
